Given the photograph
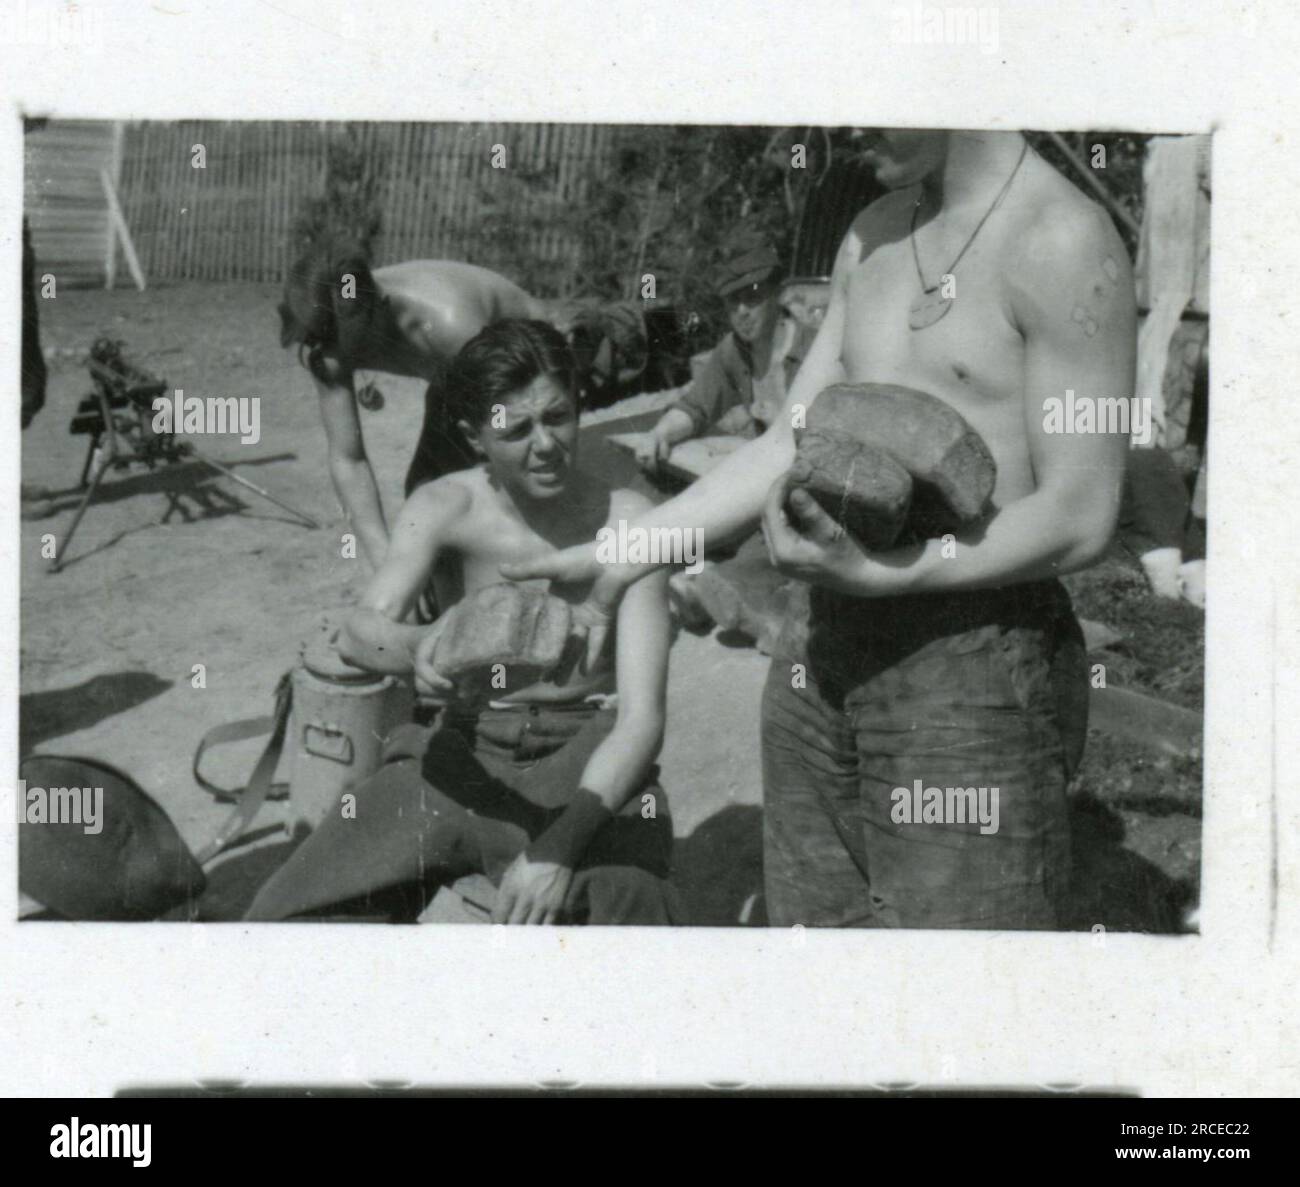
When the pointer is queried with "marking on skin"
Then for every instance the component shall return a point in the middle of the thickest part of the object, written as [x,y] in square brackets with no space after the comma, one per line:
[1087,314]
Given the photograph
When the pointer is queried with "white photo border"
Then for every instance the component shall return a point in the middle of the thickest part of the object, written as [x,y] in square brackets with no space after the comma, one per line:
[91,1009]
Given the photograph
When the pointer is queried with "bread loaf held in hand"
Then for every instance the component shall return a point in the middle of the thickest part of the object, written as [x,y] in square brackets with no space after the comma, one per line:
[953,473]
[521,627]
[859,486]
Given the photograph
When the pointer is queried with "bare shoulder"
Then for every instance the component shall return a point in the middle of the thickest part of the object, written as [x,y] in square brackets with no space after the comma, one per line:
[1061,228]
[445,504]
[438,282]
[1069,261]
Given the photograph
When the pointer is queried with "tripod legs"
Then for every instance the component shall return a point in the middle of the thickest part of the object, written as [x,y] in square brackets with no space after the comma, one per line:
[107,463]
[61,550]
[207,461]
[90,458]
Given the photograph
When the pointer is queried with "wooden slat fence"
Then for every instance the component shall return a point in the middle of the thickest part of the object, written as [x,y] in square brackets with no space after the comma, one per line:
[440,195]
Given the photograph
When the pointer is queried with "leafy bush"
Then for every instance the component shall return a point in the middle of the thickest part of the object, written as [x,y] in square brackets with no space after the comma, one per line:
[663,206]
[348,206]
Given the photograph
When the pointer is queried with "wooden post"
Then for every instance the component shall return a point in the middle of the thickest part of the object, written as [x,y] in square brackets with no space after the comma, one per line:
[1168,257]
[115,172]
[118,224]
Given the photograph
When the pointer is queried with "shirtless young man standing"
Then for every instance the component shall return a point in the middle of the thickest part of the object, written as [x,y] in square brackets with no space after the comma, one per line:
[404,319]
[963,667]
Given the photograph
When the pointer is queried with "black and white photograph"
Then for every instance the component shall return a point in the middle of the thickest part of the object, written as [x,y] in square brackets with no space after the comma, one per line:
[682,525]
[781,538]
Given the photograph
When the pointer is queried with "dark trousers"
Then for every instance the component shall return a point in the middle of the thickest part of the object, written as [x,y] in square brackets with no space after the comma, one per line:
[958,691]
[484,787]
[441,448]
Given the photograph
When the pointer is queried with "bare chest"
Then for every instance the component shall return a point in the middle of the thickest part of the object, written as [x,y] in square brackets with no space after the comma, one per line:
[971,355]
[489,541]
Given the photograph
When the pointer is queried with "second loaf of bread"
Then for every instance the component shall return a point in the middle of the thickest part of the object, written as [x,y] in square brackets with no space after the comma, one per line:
[521,627]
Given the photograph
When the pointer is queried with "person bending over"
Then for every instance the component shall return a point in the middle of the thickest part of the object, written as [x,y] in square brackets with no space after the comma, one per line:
[986,279]
[404,319]
[549,791]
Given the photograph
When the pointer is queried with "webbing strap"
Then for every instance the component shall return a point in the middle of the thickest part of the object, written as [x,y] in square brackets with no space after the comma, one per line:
[248,802]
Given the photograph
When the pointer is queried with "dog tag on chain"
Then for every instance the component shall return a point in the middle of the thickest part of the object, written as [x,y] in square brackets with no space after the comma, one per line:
[928,308]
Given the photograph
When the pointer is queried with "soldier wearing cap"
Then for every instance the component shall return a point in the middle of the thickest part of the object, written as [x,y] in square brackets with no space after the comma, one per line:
[744,382]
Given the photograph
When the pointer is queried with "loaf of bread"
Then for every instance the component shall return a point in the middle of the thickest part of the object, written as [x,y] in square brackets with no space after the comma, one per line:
[859,486]
[953,472]
[520,627]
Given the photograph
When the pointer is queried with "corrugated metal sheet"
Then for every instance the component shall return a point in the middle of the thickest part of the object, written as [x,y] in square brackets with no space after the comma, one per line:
[64,198]
[847,188]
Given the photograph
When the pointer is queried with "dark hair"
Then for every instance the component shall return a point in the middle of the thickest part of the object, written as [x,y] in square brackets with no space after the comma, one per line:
[500,360]
[317,315]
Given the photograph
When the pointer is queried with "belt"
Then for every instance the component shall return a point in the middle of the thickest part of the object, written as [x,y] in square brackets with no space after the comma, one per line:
[595,700]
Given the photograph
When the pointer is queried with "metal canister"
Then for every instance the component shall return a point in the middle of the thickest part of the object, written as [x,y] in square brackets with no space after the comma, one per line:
[341,719]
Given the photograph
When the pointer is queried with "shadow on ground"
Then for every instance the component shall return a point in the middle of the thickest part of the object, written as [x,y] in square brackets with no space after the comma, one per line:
[59,711]
[718,869]
[194,493]
[190,477]
[1114,887]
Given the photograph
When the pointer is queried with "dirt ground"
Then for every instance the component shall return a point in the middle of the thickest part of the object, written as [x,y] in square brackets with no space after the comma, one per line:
[183,567]
[227,580]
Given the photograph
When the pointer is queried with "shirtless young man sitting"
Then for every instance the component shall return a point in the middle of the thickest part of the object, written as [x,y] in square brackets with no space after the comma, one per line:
[404,319]
[963,667]
[544,791]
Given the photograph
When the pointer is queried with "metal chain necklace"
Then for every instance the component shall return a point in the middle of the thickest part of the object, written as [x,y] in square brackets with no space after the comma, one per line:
[932,305]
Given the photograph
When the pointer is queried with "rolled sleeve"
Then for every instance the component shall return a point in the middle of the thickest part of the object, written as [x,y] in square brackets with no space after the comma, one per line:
[716,391]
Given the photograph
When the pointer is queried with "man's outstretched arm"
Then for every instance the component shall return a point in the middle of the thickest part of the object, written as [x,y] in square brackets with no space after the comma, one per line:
[726,501]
